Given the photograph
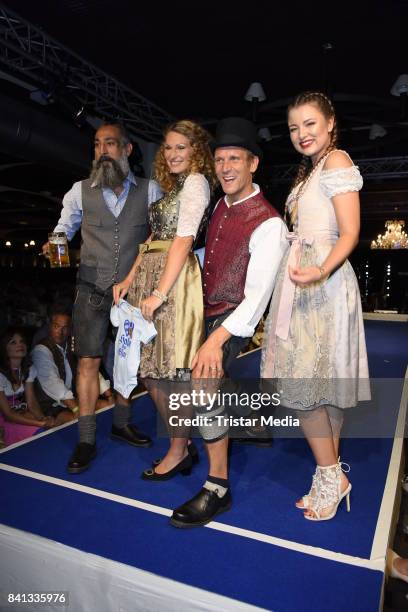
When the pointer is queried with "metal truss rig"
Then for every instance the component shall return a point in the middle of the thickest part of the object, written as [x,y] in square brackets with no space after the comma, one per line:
[372,168]
[27,50]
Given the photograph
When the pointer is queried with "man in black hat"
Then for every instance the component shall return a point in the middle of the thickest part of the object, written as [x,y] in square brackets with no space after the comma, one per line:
[245,242]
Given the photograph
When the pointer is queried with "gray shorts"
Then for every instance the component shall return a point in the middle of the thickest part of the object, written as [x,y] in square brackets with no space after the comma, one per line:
[90,319]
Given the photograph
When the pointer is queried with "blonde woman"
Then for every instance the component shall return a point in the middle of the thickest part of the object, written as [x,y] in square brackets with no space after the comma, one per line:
[165,280]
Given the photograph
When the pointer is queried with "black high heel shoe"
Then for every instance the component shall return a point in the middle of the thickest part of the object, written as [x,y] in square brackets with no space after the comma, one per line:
[192,451]
[184,468]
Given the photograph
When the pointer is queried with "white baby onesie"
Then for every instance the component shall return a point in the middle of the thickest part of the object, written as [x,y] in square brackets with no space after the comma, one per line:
[132,329]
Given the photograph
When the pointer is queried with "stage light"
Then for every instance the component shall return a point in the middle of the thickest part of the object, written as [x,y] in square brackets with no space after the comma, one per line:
[41,97]
[377,131]
[255,95]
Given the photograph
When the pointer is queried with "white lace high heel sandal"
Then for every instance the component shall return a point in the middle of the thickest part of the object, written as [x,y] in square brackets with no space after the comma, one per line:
[329,494]
[308,499]
[313,493]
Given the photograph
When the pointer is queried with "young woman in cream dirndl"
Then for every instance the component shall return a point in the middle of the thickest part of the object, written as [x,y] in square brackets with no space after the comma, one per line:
[315,344]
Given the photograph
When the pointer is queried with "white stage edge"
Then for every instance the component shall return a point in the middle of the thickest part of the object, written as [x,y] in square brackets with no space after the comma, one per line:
[30,563]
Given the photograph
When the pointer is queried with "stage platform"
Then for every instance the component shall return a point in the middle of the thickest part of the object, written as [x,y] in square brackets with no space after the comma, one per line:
[104,535]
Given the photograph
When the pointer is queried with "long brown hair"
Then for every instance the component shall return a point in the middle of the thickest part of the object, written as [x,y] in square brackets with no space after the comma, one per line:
[5,366]
[201,161]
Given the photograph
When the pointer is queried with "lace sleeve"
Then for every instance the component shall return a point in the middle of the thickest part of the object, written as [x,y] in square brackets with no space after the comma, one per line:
[340,180]
[194,199]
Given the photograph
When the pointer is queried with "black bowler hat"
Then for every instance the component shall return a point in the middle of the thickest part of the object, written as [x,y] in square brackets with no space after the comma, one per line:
[237,132]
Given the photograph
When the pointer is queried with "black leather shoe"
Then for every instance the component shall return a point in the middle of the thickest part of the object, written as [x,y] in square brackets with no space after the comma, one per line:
[255,438]
[184,468]
[131,435]
[200,510]
[192,451]
[260,442]
[81,457]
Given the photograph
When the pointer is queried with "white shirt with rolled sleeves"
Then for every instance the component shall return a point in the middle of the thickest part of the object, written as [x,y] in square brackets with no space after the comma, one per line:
[49,376]
[132,330]
[267,246]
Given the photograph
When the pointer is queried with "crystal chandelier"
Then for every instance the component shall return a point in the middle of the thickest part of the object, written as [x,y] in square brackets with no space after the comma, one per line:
[393,238]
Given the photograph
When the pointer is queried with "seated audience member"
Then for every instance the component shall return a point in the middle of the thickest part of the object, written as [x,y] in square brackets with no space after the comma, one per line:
[20,413]
[55,364]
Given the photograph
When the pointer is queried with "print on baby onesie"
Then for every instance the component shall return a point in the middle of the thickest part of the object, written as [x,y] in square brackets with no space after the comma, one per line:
[125,339]
[133,329]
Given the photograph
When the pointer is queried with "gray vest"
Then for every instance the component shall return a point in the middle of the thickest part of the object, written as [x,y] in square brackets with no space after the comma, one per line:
[110,245]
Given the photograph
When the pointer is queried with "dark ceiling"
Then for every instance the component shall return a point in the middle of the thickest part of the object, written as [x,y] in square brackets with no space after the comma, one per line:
[198,60]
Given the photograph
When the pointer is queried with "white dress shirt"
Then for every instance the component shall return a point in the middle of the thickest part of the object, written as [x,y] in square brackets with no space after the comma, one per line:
[48,374]
[267,246]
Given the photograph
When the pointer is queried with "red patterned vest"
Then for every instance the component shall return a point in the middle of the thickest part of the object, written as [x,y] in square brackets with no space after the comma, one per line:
[227,251]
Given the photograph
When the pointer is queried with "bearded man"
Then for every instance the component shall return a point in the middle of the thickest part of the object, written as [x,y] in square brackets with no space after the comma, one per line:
[111,209]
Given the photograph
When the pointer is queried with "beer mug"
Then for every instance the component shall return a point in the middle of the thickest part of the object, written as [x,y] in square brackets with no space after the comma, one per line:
[58,249]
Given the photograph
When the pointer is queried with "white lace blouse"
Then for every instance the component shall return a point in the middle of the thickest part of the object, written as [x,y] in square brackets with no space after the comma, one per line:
[194,199]
[340,180]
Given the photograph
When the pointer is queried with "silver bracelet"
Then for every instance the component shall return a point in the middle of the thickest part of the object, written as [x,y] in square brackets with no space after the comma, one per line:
[160,295]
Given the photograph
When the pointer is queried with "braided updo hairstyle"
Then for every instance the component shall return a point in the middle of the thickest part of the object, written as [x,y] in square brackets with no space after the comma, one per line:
[324,104]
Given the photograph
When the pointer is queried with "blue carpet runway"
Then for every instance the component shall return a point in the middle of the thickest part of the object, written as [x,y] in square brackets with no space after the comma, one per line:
[263,552]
